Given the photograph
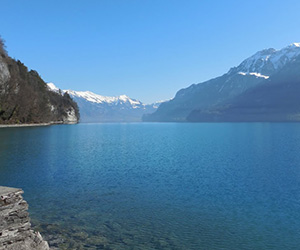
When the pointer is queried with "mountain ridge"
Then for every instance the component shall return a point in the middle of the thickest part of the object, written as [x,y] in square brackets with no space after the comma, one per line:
[250,73]
[97,108]
[276,101]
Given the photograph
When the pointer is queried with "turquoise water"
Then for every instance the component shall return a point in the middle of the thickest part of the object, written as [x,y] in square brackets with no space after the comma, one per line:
[159,186]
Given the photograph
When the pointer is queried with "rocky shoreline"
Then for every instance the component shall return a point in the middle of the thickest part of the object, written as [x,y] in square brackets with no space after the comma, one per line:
[16,232]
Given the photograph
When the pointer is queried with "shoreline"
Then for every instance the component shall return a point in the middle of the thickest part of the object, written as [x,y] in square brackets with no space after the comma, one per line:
[35,124]
[25,125]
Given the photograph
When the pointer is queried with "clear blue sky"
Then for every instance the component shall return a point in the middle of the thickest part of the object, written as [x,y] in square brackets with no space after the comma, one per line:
[146,49]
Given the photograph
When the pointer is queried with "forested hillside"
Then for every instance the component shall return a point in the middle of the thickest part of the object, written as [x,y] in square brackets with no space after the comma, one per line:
[25,98]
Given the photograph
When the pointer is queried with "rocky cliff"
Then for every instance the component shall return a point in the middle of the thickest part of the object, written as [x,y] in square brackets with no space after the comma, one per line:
[15,227]
[25,98]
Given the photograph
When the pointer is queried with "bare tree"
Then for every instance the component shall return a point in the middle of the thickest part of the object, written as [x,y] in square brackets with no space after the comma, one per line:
[3,51]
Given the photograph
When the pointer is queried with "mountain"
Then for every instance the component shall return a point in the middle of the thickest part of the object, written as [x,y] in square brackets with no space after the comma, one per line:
[275,101]
[260,71]
[98,108]
[25,98]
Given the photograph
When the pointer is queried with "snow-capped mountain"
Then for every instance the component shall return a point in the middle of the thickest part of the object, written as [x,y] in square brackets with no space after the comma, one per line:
[275,101]
[98,108]
[264,63]
[255,71]
[92,97]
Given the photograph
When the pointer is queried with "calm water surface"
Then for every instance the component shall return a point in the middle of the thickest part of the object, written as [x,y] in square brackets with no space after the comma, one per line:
[159,186]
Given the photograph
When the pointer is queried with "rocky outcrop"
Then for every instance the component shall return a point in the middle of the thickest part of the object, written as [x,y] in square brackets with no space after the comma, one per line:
[70,117]
[4,76]
[15,228]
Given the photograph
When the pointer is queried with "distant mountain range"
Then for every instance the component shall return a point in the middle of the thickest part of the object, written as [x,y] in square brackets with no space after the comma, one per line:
[264,87]
[98,108]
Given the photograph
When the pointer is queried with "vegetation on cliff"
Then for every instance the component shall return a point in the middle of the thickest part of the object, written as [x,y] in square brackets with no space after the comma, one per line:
[25,98]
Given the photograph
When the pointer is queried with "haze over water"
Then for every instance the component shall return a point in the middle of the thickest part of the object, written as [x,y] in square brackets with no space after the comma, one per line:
[163,186]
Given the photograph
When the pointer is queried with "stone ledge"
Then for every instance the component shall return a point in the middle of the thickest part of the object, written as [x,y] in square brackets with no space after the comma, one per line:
[15,227]
[8,190]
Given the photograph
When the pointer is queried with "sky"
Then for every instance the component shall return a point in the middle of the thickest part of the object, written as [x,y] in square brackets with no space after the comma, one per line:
[146,49]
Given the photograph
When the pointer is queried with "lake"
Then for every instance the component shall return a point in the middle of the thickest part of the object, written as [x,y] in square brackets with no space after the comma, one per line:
[159,185]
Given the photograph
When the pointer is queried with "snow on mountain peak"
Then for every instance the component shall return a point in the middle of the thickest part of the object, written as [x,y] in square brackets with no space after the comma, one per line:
[92,97]
[267,61]
[51,86]
[294,45]
[99,99]
[123,98]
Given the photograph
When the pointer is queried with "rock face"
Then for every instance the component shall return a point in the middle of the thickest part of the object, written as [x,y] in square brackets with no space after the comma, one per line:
[15,227]
[25,98]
